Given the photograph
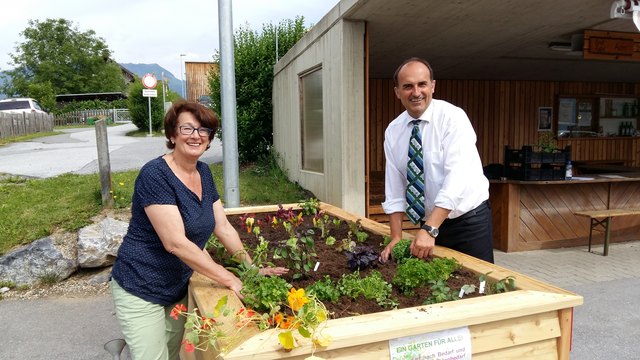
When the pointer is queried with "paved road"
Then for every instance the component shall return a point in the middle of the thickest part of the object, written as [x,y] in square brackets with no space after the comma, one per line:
[75,151]
[607,325]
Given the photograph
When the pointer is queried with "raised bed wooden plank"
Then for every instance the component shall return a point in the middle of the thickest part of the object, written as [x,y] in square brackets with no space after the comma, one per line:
[542,350]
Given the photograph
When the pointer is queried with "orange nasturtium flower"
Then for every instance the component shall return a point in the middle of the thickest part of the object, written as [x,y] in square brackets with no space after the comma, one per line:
[278,318]
[188,346]
[246,312]
[289,322]
[207,323]
[245,316]
[177,310]
[297,299]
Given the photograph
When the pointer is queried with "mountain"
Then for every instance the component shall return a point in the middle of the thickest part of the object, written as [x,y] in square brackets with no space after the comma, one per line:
[141,69]
[2,81]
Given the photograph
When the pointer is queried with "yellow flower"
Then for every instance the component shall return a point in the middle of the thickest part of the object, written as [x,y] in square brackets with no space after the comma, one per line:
[297,299]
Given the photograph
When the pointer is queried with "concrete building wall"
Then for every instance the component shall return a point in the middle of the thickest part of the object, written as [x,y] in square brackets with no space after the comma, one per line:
[337,46]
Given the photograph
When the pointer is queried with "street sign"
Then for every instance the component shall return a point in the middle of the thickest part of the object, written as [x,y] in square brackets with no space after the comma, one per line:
[149,93]
[149,81]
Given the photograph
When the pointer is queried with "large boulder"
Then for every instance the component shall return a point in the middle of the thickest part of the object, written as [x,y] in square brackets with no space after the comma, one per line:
[98,243]
[43,259]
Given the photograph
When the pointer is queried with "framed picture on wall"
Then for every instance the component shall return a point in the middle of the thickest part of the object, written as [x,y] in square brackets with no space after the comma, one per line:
[545,118]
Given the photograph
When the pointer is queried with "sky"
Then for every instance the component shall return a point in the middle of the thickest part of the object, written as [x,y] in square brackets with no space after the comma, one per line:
[153,31]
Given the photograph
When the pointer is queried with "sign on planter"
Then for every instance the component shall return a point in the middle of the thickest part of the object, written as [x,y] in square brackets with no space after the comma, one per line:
[452,344]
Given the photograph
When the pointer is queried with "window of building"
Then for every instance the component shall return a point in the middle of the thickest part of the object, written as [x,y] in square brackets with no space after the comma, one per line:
[311,120]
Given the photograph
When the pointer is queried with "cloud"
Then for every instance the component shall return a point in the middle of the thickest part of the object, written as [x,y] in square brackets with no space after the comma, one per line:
[148,31]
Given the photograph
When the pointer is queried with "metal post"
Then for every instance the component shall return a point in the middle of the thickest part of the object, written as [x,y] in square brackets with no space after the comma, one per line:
[104,164]
[163,97]
[150,133]
[228,87]
[182,86]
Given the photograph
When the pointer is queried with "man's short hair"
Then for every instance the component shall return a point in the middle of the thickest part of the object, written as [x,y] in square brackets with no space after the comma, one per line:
[413,59]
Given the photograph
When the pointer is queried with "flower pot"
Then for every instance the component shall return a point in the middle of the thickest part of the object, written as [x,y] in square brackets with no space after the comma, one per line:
[535,319]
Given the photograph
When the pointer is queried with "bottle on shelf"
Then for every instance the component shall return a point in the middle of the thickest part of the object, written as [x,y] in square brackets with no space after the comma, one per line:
[626,110]
[568,175]
[620,128]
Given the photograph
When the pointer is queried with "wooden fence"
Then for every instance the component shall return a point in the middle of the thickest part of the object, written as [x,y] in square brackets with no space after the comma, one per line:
[88,117]
[12,125]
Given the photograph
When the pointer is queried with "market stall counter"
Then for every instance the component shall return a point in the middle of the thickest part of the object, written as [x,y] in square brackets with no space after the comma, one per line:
[532,215]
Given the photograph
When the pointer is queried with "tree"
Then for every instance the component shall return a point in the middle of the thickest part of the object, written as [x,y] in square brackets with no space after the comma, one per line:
[139,107]
[57,57]
[255,55]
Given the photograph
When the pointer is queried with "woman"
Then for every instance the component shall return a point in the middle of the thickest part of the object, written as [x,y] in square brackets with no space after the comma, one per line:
[175,209]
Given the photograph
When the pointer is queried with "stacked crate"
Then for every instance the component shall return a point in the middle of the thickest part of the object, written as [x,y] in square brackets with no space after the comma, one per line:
[526,164]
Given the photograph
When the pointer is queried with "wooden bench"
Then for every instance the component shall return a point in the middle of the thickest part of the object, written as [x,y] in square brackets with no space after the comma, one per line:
[605,222]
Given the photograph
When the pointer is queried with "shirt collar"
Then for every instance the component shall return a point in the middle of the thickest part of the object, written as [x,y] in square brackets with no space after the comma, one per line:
[427,115]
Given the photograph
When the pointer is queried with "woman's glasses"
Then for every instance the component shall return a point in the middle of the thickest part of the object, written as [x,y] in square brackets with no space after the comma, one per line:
[188,130]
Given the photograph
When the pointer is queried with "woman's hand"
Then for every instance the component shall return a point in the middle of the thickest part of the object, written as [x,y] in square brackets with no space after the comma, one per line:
[236,286]
[273,271]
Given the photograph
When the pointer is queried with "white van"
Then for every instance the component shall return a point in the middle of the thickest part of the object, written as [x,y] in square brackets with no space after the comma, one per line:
[20,105]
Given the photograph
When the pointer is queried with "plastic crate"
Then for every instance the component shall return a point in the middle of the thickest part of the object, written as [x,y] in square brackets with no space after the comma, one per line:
[526,164]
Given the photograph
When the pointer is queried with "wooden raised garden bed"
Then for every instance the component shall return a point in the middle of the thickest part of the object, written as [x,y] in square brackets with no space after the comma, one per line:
[535,321]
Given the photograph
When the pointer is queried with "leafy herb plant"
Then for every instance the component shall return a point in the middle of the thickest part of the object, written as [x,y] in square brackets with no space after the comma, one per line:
[362,257]
[370,287]
[263,293]
[440,292]
[324,289]
[298,253]
[415,272]
[401,251]
[310,206]
[500,286]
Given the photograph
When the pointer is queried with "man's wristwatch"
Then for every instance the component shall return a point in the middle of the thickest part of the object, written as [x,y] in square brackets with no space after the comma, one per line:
[431,230]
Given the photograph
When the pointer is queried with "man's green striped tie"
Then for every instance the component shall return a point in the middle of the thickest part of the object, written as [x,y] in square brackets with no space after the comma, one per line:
[415,176]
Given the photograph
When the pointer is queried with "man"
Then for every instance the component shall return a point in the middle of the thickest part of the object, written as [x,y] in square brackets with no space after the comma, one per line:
[445,188]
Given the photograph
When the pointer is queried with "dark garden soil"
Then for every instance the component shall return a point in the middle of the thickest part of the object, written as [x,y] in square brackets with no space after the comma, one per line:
[334,264]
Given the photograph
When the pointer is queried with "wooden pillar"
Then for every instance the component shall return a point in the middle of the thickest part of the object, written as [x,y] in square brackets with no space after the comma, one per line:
[104,163]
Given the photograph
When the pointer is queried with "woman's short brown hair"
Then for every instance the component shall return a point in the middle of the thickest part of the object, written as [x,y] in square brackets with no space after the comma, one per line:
[203,114]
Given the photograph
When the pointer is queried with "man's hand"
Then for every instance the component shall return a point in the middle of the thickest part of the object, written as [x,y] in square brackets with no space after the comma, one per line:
[384,255]
[422,246]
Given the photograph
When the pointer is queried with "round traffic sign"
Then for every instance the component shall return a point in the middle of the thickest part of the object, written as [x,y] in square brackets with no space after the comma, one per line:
[149,81]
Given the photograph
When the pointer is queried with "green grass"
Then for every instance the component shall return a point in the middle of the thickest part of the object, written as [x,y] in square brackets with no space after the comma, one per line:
[34,208]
